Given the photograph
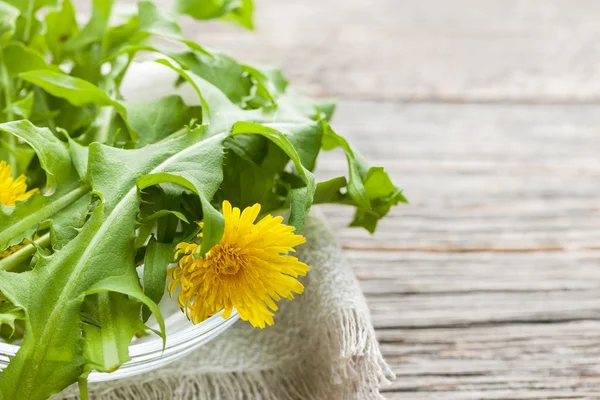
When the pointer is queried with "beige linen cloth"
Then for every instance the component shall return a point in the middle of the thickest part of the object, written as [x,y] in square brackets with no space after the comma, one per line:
[322,346]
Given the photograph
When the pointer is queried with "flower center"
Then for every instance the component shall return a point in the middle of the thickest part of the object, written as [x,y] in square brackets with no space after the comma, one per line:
[229,269]
[226,259]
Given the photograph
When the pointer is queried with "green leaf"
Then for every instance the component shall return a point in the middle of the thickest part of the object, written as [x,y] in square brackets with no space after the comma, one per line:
[217,68]
[270,84]
[221,114]
[100,258]
[76,91]
[20,260]
[22,154]
[50,357]
[164,213]
[26,6]
[95,29]
[356,189]
[156,261]
[252,169]
[157,119]
[9,314]
[79,156]
[80,92]
[66,224]
[170,200]
[21,221]
[8,21]
[246,86]
[29,30]
[106,347]
[382,194]
[53,154]
[275,123]
[22,107]
[369,189]
[154,21]
[305,137]
[330,191]
[302,198]
[326,108]
[19,59]
[379,185]
[236,11]
[149,21]
[242,15]
[123,35]
[61,281]
[202,181]
[90,319]
[61,26]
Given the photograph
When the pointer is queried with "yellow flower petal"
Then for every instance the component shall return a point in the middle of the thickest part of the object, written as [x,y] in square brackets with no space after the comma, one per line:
[12,190]
[249,269]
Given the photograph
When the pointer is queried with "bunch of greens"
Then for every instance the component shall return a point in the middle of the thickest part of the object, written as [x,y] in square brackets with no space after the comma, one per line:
[122,182]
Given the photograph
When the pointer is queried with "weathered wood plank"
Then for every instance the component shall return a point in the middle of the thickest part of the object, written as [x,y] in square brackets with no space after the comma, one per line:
[485,308]
[510,394]
[467,50]
[488,285]
[514,361]
[423,50]
[411,273]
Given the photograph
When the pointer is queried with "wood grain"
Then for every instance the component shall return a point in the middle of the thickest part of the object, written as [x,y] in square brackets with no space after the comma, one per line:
[426,50]
[422,50]
[486,286]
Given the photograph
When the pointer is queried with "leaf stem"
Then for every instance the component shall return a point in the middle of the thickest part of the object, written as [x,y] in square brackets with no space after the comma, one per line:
[106,117]
[46,211]
[110,346]
[28,18]
[44,107]
[107,114]
[83,388]
[20,256]
[7,88]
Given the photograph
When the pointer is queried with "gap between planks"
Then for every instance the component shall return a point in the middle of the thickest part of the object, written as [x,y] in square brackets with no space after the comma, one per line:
[468,249]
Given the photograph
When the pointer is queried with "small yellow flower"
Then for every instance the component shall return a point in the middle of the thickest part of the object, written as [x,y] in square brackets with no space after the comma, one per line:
[12,190]
[249,269]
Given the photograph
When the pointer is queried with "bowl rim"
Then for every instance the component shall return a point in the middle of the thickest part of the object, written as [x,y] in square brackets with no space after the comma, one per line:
[150,354]
[137,349]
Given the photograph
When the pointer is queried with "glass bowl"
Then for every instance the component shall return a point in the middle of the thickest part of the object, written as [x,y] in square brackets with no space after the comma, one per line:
[146,352]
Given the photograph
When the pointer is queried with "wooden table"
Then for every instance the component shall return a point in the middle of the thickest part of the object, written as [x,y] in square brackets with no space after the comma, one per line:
[485,111]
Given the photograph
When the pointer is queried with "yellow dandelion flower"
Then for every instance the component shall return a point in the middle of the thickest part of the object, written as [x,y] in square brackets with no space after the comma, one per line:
[12,190]
[249,269]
